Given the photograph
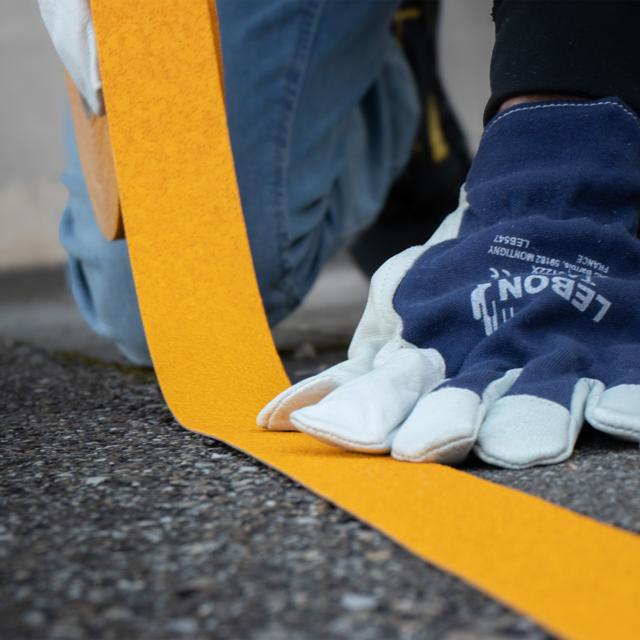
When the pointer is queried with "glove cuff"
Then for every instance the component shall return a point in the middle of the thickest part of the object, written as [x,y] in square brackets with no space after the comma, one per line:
[559,159]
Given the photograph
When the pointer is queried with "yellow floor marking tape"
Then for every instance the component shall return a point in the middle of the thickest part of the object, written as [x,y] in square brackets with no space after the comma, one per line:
[198,295]
[217,364]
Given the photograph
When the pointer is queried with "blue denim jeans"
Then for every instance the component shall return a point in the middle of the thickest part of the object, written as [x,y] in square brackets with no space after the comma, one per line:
[322,111]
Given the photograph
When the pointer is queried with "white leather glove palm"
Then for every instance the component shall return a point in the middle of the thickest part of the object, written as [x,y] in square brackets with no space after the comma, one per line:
[70,27]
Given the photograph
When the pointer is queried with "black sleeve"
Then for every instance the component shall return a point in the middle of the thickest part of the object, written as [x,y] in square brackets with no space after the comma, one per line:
[587,48]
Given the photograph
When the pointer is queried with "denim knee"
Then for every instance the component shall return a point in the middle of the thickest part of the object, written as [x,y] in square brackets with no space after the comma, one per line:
[322,111]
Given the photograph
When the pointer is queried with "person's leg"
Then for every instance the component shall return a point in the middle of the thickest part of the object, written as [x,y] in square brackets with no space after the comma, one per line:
[427,189]
[322,113]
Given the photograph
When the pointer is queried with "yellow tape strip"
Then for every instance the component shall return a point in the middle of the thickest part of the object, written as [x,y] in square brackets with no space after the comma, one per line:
[198,296]
[217,364]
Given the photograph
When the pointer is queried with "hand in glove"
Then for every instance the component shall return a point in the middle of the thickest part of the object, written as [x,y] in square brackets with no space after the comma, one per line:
[517,321]
[70,27]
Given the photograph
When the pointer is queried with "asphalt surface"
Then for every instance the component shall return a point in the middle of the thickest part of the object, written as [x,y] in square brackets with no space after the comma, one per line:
[115,522]
[118,523]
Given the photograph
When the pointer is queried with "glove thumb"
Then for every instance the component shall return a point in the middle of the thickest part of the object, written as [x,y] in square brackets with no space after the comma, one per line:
[275,415]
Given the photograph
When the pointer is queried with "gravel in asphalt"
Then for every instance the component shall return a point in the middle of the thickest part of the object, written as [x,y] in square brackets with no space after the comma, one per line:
[118,523]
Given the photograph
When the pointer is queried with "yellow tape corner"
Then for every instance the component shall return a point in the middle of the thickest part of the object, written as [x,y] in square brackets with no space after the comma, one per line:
[217,365]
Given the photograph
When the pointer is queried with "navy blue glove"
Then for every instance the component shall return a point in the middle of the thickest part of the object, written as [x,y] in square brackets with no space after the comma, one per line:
[517,321]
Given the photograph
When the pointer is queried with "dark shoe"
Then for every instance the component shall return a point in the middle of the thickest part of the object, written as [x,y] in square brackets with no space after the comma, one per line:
[427,190]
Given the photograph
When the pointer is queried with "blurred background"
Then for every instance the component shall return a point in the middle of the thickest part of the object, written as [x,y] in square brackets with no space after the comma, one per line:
[32,158]
[31,153]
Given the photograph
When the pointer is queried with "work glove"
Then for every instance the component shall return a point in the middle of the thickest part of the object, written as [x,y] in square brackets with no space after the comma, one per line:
[70,27]
[516,321]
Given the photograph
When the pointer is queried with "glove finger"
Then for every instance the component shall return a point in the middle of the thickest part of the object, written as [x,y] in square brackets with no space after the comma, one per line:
[275,415]
[522,430]
[363,414]
[443,427]
[615,410]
